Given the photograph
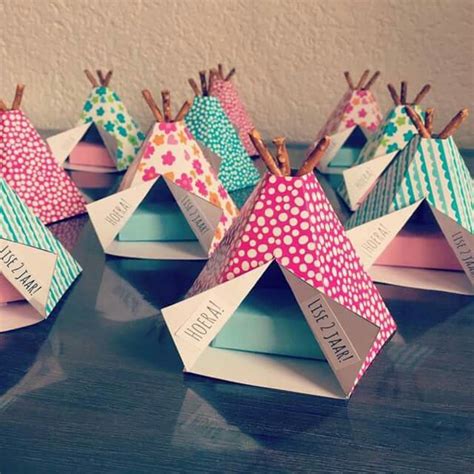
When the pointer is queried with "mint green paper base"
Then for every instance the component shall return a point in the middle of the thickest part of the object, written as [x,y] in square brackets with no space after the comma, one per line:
[153,222]
[345,157]
[269,321]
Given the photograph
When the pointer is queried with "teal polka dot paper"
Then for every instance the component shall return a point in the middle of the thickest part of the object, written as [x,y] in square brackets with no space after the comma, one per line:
[104,108]
[210,125]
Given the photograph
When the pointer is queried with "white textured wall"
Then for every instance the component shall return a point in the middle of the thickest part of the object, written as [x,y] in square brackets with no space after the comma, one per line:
[290,54]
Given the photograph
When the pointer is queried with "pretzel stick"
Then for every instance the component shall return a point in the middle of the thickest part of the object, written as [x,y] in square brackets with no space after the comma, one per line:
[429,120]
[362,79]
[108,76]
[371,81]
[213,73]
[152,104]
[202,76]
[18,96]
[347,75]
[426,88]
[195,87]
[314,157]
[165,97]
[264,152]
[220,68]
[416,119]
[91,78]
[403,92]
[282,156]
[101,76]
[183,111]
[393,93]
[231,73]
[454,124]
[3,106]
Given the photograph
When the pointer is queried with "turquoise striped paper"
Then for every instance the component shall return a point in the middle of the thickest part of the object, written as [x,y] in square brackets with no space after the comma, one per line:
[18,224]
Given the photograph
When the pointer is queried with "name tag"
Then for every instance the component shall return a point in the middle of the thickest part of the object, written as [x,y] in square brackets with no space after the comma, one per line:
[19,274]
[204,324]
[332,339]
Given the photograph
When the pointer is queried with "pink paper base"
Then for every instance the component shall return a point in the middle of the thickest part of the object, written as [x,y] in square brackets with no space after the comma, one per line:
[91,154]
[416,248]
[8,293]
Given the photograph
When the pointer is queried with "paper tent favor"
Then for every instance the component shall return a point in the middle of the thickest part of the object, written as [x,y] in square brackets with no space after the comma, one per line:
[287,229]
[106,139]
[355,118]
[34,266]
[392,136]
[28,166]
[426,194]
[175,188]
[209,124]
[224,89]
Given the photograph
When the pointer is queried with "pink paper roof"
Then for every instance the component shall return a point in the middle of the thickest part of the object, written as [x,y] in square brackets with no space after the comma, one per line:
[233,106]
[290,219]
[29,168]
[358,107]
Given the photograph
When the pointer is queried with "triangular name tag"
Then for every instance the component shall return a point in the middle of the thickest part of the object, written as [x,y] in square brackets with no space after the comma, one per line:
[372,238]
[110,214]
[63,143]
[202,216]
[460,240]
[30,270]
[360,179]
[195,322]
[344,337]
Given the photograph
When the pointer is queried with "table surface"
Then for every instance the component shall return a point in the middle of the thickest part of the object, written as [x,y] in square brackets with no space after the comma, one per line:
[99,386]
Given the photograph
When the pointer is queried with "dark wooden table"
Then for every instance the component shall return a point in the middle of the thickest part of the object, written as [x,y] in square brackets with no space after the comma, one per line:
[98,387]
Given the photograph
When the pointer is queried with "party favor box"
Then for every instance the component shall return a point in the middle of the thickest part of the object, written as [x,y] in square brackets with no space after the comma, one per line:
[35,269]
[171,205]
[106,139]
[224,89]
[425,200]
[391,137]
[210,125]
[355,118]
[284,302]
[28,166]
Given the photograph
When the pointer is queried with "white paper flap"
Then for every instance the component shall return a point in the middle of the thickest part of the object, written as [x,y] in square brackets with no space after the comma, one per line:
[460,240]
[337,141]
[202,216]
[63,143]
[360,179]
[191,330]
[372,238]
[110,214]
[29,270]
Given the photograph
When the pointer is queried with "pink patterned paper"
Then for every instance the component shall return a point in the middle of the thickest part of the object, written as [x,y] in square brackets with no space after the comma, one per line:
[357,107]
[291,220]
[29,168]
[171,151]
[227,94]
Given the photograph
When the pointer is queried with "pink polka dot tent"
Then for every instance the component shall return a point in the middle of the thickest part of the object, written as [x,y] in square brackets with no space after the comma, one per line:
[284,302]
[355,118]
[224,89]
[29,168]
